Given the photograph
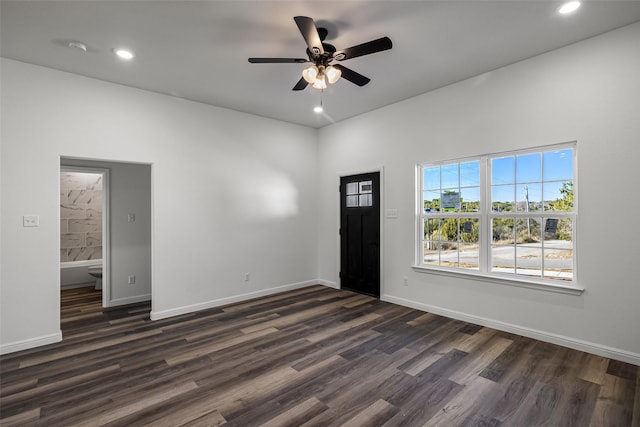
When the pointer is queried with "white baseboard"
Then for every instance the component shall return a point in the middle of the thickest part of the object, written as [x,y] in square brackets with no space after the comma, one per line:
[576,344]
[327,283]
[31,343]
[129,300]
[157,315]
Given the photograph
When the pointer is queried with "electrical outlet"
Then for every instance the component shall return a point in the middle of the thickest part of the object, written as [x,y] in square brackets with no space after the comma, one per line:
[406,280]
[132,279]
[246,277]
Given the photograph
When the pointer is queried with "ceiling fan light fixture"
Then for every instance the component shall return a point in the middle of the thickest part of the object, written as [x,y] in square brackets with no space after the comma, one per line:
[320,83]
[310,74]
[333,74]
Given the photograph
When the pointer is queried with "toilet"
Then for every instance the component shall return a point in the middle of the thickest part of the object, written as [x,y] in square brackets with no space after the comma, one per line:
[97,273]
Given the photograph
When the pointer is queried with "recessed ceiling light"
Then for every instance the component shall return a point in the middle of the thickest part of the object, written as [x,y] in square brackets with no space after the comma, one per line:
[569,7]
[318,109]
[125,54]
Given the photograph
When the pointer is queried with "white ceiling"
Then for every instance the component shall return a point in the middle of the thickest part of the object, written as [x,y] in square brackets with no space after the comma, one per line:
[198,50]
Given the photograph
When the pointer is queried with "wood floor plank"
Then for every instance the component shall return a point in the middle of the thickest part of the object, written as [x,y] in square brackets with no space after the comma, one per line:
[21,418]
[120,412]
[298,415]
[614,403]
[314,356]
[87,348]
[457,411]
[375,414]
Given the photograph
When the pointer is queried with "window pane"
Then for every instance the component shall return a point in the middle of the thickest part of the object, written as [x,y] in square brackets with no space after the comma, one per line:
[470,199]
[528,230]
[470,174]
[558,252]
[450,178]
[503,249]
[469,230]
[469,256]
[432,230]
[352,201]
[365,187]
[431,178]
[528,197]
[529,260]
[432,201]
[502,170]
[449,254]
[449,230]
[502,198]
[366,200]
[558,165]
[529,168]
[528,247]
[431,253]
[558,196]
[352,188]
[450,200]
[503,258]
[502,231]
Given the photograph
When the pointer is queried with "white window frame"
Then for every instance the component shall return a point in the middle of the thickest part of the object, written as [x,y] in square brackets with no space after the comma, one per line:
[485,218]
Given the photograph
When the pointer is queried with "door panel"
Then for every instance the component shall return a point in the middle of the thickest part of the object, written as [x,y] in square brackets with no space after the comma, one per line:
[360,233]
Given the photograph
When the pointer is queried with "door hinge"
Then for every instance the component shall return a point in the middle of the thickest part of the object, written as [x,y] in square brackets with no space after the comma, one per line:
[339,188]
[340,274]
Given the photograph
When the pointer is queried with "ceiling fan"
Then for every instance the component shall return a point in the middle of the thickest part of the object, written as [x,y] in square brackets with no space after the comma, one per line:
[323,54]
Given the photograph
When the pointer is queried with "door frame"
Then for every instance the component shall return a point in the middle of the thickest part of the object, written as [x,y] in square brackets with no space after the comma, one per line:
[106,261]
[379,169]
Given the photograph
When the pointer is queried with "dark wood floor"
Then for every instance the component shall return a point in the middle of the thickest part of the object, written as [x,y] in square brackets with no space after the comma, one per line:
[313,357]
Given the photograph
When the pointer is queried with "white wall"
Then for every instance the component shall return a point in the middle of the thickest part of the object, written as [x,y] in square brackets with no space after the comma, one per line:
[589,92]
[130,242]
[231,193]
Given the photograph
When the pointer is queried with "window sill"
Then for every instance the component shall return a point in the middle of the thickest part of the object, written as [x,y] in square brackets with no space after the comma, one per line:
[501,280]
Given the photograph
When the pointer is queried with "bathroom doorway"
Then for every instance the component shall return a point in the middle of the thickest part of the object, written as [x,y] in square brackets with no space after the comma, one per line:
[126,228]
[84,229]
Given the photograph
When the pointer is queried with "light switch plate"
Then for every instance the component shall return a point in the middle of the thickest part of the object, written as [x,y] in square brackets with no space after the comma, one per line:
[30,220]
[391,213]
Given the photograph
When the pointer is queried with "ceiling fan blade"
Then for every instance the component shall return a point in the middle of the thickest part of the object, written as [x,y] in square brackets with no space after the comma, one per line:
[352,76]
[302,83]
[367,48]
[277,60]
[310,33]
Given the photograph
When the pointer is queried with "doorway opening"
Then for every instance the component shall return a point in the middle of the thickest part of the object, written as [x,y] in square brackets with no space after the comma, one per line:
[125,238]
[360,233]
[84,229]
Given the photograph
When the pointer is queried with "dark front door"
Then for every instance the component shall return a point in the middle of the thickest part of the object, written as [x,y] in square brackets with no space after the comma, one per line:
[360,233]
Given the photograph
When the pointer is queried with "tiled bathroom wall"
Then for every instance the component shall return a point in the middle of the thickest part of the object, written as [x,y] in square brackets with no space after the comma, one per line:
[80,216]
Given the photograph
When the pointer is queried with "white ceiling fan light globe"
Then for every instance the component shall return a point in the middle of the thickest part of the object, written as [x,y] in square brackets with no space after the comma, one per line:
[333,74]
[320,83]
[310,74]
